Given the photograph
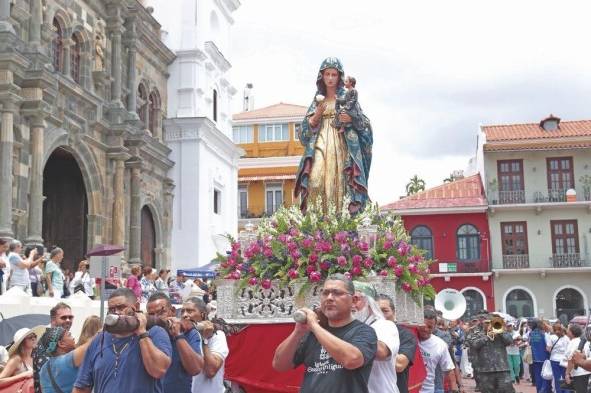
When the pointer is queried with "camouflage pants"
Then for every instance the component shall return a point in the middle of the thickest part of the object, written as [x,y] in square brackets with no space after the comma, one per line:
[495,382]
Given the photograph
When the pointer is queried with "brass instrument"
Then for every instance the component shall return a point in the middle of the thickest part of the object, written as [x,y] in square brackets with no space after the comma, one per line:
[497,326]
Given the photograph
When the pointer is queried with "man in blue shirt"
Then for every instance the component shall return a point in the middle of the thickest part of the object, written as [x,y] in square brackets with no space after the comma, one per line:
[187,359]
[537,341]
[132,362]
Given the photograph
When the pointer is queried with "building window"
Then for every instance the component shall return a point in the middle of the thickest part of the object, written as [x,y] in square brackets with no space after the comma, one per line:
[243,134]
[565,237]
[474,303]
[560,173]
[57,47]
[215,105]
[217,201]
[75,50]
[273,198]
[468,243]
[422,238]
[519,304]
[273,132]
[569,303]
[154,110]
[514,243]
[511,189]
[243,202]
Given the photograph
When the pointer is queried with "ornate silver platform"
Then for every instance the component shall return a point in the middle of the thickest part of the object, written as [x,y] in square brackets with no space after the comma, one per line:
[255,305]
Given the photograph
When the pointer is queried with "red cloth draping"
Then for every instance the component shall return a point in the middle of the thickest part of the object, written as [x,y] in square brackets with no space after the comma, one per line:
[251,355]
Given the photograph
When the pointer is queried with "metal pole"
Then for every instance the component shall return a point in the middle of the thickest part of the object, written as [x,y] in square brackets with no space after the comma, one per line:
[103,278]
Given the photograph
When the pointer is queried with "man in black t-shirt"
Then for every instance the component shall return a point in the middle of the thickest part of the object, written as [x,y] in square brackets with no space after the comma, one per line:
[338,355]
[408,344]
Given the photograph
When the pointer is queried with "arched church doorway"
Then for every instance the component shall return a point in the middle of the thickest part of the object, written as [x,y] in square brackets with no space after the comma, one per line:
[148,246]
[65,208]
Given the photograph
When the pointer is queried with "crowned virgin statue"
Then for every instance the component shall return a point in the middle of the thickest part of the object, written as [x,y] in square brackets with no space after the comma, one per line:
[336,161]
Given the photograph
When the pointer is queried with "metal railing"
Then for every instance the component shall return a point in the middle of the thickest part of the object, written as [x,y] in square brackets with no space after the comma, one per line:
[520,196]
[516,261]
[509,197]
[567,260]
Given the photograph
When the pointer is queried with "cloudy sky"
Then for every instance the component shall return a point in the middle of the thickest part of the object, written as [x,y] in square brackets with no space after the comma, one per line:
[428,72]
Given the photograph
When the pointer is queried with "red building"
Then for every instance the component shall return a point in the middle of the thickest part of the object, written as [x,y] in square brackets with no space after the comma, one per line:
[450,223]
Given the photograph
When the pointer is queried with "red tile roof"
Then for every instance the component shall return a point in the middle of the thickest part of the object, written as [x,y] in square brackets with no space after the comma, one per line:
[274,111]
[467,192]
[513,132]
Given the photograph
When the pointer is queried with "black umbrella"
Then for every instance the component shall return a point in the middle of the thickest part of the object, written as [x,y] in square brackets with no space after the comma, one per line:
[9,326]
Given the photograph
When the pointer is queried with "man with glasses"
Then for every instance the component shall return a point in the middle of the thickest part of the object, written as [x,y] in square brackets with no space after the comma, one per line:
[186,344]
[60,316]
[130,362]
[338,355]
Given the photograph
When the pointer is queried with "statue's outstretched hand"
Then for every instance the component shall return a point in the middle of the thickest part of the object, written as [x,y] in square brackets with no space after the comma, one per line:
[315,119]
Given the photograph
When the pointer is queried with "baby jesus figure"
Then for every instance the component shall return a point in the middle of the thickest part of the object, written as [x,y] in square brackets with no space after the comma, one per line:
[348,104]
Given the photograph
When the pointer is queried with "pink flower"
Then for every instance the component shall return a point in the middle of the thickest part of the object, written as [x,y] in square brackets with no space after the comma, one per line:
[348,275]
[342,261]
[231,262]
[363,246]
[235,275]
[267,252]
[421,282]
[345,248]
[341,237]
[406,287]
[266,283]
[313,258]
[392,262]
[356,271]
[387,245]
[251,270]
[235,246]
[403,248]
[398,271]
[307,243]
[296,254]
[318,247]
[412,268]
[326,246]
[383,273]
[253,281]
[282,238]
[368,263]
[389,236]
[293,274]
[325,265]
[292,246]
[311,268]
[294,232]
[357,259]
[239,266]
[234,254]
[315,276]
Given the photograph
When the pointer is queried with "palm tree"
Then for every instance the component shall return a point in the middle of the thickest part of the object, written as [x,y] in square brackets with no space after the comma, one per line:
[450,179]
[415,185]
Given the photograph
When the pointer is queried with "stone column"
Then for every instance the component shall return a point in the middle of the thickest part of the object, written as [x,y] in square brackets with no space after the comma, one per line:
[131,78]
[6,146]
[5,24]
[116,64]
[36,178]
[119,203]
[36,21]
[135,212]
[67,59]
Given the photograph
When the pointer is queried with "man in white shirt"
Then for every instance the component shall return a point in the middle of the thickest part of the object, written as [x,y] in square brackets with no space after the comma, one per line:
[383,372]
[435,353]
[215,351]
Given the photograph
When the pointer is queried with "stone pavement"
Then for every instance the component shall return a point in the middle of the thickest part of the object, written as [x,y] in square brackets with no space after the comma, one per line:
[523,387]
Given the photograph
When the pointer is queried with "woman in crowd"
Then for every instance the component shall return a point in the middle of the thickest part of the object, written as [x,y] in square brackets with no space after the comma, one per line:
[20,362]
[59,373]
[92,325]
[133,281]
[36,277]
[557,348]
[161,282]
[19,267]
[579,376]
[147,283]
[82,281]
[54,275]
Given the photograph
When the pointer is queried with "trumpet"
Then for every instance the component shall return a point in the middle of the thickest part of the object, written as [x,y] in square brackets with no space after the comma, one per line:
[497,326]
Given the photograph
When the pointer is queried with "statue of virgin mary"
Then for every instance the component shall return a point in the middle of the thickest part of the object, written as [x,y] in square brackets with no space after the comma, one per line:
[335,165]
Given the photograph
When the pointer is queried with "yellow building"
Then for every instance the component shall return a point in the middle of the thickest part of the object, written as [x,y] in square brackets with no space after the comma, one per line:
[267,172]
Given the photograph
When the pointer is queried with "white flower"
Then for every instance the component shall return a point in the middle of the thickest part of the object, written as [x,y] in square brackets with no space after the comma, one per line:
[319,98]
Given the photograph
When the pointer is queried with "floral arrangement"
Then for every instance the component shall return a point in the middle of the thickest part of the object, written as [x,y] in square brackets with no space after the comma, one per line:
[293,246]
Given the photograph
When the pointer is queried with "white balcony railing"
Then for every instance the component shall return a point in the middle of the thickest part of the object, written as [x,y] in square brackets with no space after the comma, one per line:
[516,261]
[567,260]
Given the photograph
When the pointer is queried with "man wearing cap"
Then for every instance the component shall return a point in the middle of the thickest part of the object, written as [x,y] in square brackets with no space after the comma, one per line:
[493,366]
[473,353]
[338,355]
[383,373]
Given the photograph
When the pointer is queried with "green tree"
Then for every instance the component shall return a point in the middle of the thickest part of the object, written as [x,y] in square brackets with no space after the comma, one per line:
[450,179]
[416,184]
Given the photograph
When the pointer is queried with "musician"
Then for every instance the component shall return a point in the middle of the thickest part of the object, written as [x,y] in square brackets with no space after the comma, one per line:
[493,367]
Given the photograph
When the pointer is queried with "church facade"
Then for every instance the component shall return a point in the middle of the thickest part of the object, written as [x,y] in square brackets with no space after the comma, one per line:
[82,100]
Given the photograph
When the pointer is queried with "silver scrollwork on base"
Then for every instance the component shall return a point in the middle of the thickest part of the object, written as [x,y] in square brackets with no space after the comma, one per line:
[256,305]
